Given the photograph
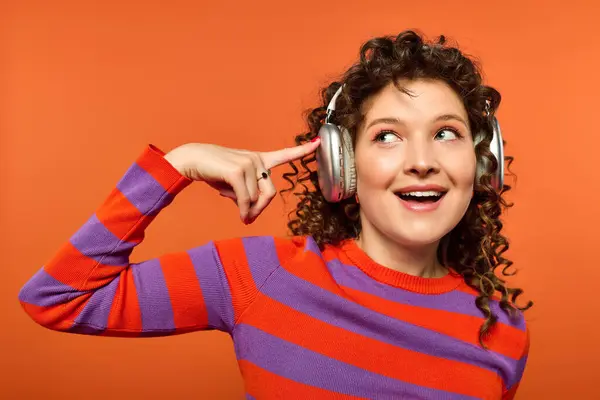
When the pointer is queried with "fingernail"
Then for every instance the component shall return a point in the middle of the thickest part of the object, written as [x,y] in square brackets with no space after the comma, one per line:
[314,139]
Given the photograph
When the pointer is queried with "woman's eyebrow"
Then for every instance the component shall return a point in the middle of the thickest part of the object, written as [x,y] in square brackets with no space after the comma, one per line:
[398,121]
[448,117]
[386,120]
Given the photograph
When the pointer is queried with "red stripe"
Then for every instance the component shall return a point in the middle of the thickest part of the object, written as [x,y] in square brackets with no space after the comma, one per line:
[119,216]
[235,264]
[152,161]
[185,293]
[71,267]
[60,316]
[510,394]
[262,384]
[289,247]
[125,316]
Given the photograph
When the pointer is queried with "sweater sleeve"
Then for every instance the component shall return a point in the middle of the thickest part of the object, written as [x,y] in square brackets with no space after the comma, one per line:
[90,287]
[511,391]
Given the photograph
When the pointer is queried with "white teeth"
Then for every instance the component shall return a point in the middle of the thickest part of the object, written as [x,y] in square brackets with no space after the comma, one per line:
[423,194]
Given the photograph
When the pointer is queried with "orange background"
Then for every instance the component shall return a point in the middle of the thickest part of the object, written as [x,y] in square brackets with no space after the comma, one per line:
[84,86]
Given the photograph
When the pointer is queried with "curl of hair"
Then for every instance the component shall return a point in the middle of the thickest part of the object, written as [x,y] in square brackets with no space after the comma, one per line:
[475,247]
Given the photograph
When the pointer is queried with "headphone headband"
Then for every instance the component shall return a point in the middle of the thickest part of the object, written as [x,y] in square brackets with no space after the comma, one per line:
[332,103]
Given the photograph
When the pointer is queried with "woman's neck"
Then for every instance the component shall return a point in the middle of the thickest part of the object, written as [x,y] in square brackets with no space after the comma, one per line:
[417,261]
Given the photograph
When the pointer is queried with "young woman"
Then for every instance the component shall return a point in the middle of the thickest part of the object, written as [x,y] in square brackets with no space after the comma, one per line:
[391,293]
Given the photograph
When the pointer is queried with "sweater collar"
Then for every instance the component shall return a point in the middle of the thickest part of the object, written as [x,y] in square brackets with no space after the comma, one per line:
[399,279]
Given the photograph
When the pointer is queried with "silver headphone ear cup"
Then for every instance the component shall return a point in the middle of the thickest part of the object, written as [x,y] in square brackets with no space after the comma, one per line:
[349,165]
[330,162]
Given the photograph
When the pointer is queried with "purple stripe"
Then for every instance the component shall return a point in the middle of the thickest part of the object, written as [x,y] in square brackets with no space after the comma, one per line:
[310,368]
[96,311]
[248,397]
[153,297]
[45,291]
[519,372]
[143,191]
[214,286]
[262,257]
[98,243]
[337,311]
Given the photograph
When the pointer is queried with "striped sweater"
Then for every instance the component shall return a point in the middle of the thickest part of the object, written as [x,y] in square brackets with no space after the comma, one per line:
[306,323]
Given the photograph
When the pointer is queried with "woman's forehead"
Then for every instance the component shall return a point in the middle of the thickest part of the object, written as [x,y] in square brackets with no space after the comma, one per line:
[427,99]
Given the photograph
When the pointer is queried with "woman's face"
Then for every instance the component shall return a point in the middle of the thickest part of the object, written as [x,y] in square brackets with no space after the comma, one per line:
[415,163]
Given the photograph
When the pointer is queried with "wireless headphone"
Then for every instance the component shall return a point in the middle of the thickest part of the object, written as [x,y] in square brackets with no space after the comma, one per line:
[335,157]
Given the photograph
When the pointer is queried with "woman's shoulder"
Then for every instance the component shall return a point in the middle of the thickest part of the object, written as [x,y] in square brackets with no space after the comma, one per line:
[278,248]
[510,315]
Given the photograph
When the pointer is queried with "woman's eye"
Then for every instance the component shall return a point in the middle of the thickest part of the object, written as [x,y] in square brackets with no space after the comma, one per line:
[447,134]
[386,137]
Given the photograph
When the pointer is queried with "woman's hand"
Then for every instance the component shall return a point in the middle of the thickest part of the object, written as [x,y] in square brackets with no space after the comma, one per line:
[241,175]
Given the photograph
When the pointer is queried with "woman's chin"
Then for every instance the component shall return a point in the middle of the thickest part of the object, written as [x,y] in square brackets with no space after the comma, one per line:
[417,236]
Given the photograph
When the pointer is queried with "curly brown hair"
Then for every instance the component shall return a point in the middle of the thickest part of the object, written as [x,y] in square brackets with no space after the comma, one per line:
[475,247]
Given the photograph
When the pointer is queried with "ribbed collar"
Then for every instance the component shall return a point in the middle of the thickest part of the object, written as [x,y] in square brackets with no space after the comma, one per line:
[399,279]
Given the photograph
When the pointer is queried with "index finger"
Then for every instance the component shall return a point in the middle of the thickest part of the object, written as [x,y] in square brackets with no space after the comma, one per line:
[274,158]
